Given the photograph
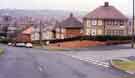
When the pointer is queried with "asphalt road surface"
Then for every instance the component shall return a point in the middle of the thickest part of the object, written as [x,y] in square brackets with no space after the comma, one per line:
[36,63]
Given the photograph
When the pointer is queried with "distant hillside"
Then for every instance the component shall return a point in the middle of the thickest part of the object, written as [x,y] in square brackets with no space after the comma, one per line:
[50,13]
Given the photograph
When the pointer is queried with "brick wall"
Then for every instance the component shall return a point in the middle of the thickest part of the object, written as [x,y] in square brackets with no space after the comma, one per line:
[23,38]
[72,32]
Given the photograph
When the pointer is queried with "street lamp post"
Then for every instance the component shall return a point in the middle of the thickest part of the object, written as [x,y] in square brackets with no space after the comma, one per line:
[132,44]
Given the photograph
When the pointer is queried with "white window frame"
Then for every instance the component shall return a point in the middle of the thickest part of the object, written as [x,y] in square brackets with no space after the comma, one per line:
[100,22]
[94,22]
[122,22]
[88,23]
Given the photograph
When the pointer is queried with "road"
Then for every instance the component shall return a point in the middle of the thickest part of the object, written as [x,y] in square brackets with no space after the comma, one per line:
[103,53]
[37,63]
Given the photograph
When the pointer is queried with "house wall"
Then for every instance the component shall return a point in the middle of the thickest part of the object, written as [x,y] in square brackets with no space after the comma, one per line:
[35,36]
[119,28]
[46,34]
[105,27]
[62,33]
[72,32]
[93,27]
[23,38]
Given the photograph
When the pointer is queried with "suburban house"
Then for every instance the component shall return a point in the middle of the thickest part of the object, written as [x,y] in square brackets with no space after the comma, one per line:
[44,31]
[105,20]
[24,35]
[70,27]
[5,21]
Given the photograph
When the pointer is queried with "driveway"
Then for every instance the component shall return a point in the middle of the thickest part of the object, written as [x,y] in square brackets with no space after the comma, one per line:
[36,63]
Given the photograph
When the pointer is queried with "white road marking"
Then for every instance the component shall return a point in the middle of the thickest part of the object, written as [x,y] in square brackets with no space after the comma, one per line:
[93,61]
[40,68]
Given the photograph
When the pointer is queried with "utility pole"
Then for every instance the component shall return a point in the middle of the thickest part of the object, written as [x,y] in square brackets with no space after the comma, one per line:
[40,33]
[60,32]
[132,43]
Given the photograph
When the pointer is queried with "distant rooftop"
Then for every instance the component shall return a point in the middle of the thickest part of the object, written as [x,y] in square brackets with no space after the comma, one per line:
[71,21]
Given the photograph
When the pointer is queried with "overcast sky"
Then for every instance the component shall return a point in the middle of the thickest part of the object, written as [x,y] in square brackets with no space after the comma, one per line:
[82,5]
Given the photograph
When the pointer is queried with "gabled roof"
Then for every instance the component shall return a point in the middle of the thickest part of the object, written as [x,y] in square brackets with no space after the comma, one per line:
[71,21]
[106,12]
[27,30]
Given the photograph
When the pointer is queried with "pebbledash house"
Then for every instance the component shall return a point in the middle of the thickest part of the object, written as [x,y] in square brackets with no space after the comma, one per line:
[68,28]
[105,20]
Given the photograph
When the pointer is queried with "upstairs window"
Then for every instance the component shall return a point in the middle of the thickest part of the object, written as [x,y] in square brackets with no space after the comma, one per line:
[115,23]
[88,23]
[110,22]
[121,23]
[100,22]
[94,22]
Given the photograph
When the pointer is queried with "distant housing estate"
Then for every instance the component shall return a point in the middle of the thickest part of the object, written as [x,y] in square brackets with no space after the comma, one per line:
[104,20]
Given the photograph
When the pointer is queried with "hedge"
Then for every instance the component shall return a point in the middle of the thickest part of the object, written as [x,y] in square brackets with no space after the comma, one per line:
[5,41]
[92,38]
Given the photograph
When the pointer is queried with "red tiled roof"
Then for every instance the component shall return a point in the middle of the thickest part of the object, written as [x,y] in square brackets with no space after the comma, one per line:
[27,30]
[71,21]
[106,12]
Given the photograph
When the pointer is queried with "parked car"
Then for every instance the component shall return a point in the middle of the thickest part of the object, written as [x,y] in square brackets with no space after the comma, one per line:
[9,44]
[29,45]
[20,45]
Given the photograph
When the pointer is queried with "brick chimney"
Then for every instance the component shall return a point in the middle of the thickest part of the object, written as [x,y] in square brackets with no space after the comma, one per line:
[106,4]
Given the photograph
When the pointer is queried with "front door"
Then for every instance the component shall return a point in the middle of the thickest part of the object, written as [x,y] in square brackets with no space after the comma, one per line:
[93,32]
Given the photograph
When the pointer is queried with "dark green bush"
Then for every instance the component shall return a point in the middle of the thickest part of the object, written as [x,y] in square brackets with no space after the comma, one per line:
[5,41]
[93,38]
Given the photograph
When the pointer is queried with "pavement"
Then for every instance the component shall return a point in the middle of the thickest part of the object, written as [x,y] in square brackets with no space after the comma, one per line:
[38,63]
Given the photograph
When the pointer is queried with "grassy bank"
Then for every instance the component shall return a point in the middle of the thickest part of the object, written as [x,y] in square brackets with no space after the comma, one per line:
[1,51]
[125,65]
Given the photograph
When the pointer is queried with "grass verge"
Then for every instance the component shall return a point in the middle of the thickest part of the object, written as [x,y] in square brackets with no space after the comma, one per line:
[125,65]
[1,51]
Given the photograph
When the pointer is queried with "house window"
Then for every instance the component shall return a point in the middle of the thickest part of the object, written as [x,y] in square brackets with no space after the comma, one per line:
[99,32]
[114,32]
[62,30]
[100,22]
[87,31]
[58,36]
[121,32]
[107,32]
[81,30]
[121,23]
[88,23]
[110,22]
[62,36]
[115,23]
[94,22]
